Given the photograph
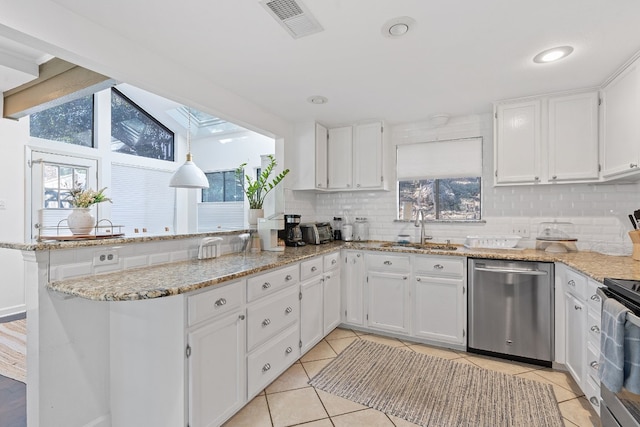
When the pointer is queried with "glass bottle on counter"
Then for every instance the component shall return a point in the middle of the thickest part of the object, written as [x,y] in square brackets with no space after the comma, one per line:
[361,230]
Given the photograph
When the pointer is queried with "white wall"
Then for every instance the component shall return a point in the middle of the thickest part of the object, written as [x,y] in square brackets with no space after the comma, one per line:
[597,211]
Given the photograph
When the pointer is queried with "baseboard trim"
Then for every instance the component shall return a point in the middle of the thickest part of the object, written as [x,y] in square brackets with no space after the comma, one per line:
[12,317]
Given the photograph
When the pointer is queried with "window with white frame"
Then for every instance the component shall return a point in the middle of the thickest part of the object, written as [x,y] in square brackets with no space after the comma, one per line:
[441,178]
[224,186]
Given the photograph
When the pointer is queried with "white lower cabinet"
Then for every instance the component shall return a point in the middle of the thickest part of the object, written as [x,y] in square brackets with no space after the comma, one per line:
[331,297]
[217,373]
[387,290]
[576,320]
[311,310]
[352,277]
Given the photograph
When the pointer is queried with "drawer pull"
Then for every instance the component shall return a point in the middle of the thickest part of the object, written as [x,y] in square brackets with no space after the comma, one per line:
[571,283]
[595,329]
[388,263]
[577,307]
[288,350]
[418,279]
[333,261]
[633,165]
[241,317]
[220,302]
[266,285]
[288,310]
[594,401]
[314,268]
[595,297]
[266,367]
[266,322]
[438,267]
[288,277]
[594,365]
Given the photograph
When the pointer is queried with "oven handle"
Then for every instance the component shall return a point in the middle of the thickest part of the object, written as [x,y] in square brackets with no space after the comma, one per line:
[512,271]
[630,316]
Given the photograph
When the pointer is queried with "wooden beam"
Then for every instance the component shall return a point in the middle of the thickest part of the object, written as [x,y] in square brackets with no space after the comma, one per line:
[59,82]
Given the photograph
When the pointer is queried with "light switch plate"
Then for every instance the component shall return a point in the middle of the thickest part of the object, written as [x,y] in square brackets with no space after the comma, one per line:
[3,204]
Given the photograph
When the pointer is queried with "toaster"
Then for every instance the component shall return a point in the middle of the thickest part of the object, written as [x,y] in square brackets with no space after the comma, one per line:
[316,233]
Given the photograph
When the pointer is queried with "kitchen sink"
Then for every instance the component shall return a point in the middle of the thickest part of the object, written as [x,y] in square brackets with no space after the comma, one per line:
[418,246]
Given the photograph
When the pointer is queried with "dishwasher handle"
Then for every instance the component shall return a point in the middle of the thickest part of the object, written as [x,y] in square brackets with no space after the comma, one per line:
[529,272]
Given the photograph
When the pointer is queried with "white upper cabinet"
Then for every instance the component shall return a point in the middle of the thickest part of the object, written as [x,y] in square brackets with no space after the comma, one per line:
[340,158]
[322,137]
[517,142]
[621,128]
[547,139]
[306,157]
[573,137]
[368,156]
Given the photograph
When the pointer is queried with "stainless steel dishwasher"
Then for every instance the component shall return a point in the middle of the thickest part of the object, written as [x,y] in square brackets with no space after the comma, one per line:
[511,309]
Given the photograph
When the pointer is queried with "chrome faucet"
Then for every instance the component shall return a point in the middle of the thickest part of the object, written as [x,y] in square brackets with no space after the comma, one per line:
[420,220]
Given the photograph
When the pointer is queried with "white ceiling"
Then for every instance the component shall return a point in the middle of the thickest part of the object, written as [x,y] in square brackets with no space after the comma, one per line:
[460,56]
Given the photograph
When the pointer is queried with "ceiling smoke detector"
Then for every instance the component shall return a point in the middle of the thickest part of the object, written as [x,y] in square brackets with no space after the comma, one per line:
[317,99]
[398,27]
[294,16]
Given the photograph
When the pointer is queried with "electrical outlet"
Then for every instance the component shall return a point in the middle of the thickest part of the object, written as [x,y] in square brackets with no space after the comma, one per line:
[521,230]
[106,257]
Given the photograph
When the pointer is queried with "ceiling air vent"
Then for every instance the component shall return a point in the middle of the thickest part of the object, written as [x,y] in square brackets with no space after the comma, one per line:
[293,16]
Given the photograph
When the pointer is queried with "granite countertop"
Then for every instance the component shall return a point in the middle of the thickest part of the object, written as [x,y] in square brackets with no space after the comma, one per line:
[181,277]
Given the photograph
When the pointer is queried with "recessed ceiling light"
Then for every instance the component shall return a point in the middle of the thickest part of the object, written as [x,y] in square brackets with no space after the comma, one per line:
[553,54]
[398,27]
[317,99]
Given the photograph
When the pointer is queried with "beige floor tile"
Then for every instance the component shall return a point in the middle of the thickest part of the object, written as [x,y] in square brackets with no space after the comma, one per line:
[561,393]
[368,417]
[392,342]
[255,414]
[444,353]
[505,366]
[340,333]
[361,333]
[295,407]
[336,405]
[562,378]
[320,423]
[568,423]
[322,350]
[340,344]
[399,422]
[312,368]
[579,412]
[292,378]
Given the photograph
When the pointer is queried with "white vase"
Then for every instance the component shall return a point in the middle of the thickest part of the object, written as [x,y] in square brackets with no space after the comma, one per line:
[254,214]
[81,221]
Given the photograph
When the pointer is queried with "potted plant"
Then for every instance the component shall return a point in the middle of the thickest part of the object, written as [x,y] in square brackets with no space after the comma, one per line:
[257,189]
[80,220]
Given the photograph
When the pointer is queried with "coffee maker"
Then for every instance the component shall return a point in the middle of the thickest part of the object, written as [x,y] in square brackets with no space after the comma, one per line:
[292,234]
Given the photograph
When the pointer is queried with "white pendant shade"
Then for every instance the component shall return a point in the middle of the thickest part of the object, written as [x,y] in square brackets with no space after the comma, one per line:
[189,176]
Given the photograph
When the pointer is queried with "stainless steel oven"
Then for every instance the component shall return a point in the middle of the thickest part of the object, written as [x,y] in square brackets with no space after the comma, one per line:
[621,408]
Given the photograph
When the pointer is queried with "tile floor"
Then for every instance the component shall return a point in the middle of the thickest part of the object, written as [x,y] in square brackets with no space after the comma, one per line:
[290,401]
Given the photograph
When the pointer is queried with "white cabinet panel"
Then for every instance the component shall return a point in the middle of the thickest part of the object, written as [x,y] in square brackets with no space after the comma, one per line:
[340,158]
[353,275]
[332,300]
[321,156]
[368,156]
[388,301]
[439,309]
[269,316]
[575,349]
[311,310]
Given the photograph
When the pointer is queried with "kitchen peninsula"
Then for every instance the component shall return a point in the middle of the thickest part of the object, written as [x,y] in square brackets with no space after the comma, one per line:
[114,348]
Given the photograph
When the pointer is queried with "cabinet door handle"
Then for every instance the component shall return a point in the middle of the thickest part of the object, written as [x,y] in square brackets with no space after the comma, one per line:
[418,279]
[438,267]
[266,367]
[536,178]
[266,285]
[633,165]
[266,322]
[288,277]
[595,297]
[333,261]
[314,268]
[594,364]
[220,302]
[327,277]
[388,263]
[288,350]
[595,329]
[241,317]
[404,277]
[577,307]
[571,283]
[594,401]
[357,185]
[288,310]
[554,177]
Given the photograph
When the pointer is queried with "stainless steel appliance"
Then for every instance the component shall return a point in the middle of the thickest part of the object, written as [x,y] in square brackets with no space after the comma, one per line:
[510,310]
[292,234]
[317,233]
[622,408]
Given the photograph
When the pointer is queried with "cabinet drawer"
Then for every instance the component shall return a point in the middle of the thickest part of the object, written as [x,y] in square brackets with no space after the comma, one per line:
[593,299]
[268,283]
[267,362]
[592,393]
[575,284]
[388,263]
[593,358]
[220,300]
[267,318]
[331,261]
[310,268]
[435,266]
[593,326]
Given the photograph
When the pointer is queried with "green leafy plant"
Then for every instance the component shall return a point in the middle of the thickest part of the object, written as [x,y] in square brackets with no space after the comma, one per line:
[257,189]
[81,198]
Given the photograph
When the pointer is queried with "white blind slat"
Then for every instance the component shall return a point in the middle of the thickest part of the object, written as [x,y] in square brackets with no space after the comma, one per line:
[220,216]
[440,159]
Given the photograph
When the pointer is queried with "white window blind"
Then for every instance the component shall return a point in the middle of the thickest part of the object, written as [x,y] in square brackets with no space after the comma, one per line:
[216,216]
[440,159]
[142,199]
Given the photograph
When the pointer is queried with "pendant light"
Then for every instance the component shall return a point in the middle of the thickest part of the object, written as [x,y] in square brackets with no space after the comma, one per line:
[189,175]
